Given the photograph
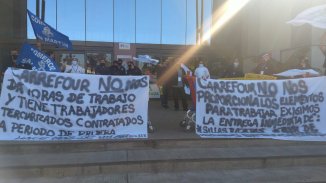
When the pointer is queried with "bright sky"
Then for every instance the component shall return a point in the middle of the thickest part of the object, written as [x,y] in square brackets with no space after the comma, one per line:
[134,20]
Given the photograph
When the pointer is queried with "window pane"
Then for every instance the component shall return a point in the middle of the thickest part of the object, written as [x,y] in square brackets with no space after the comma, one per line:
[66,59]
[99,20]
[71,18]
[93,59]
[31,6]
[191,22]
[50,15]
[124,21]
[207,18]
[148,21]
[174,21]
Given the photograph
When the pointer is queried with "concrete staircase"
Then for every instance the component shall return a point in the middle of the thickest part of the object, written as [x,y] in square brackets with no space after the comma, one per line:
[191,160]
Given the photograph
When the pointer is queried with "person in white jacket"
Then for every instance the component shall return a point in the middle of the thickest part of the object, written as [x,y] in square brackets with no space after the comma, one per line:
[202,72]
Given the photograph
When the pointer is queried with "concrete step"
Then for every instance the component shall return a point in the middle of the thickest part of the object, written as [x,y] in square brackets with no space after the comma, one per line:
[299,174]
[99,146]
[158,160]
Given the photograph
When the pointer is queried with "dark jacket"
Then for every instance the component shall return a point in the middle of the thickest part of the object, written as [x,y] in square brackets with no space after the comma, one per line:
[134,72]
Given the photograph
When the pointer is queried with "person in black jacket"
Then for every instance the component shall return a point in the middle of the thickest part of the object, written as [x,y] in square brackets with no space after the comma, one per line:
[178,88]
[114,69]
[122,70]
[133,70]
[102,69]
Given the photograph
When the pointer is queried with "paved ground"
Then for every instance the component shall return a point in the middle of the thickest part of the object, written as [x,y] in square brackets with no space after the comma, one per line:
[273,175]
[166,122]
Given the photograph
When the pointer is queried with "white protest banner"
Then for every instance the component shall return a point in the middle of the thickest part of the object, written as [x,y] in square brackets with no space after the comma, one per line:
[61,106]
[292,109]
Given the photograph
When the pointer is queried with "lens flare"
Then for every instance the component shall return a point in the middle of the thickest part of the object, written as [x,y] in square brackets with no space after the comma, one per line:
[220,17]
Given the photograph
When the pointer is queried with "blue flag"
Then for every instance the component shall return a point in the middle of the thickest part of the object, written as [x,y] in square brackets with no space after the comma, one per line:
[46,33]
[37,59]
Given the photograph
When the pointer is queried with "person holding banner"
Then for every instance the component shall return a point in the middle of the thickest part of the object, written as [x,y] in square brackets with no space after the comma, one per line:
[74,67]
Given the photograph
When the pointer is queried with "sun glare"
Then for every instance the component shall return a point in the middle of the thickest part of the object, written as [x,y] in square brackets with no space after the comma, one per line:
[221,16]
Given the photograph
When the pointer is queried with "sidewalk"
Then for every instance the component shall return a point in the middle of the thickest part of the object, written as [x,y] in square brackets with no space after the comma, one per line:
[166,122]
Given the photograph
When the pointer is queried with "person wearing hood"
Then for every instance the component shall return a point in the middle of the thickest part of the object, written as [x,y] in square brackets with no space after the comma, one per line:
[202,72]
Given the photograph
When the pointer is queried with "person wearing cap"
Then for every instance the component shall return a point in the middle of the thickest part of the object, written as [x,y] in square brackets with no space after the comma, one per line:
[133,70]
[74,67]
[265,65]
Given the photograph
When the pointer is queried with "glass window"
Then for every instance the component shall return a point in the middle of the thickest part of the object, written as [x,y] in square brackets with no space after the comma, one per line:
[191,22]
[124,21]
[50,15]
[173,21]
[71,18]
[93,59]
[99,20]
[31,6]
[65,60]
[148,21]
[207,18]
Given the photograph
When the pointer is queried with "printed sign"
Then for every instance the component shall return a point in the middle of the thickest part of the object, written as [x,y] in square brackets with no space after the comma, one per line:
[60,106]
[37,59]
[46,33]
[124,46]
[291,109]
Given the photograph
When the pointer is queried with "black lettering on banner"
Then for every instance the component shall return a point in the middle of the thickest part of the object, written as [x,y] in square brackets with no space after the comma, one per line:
[33,105]
[108,86]
[3,126]
[292,88]
[116,85]
[111,98]
[310,128]
[48,81]
[10,99]
[31,116]
[29,130]
[267,89]
[65,133]
[78,98]
[110,123]
[96,132]
[17,87]
[210,121]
